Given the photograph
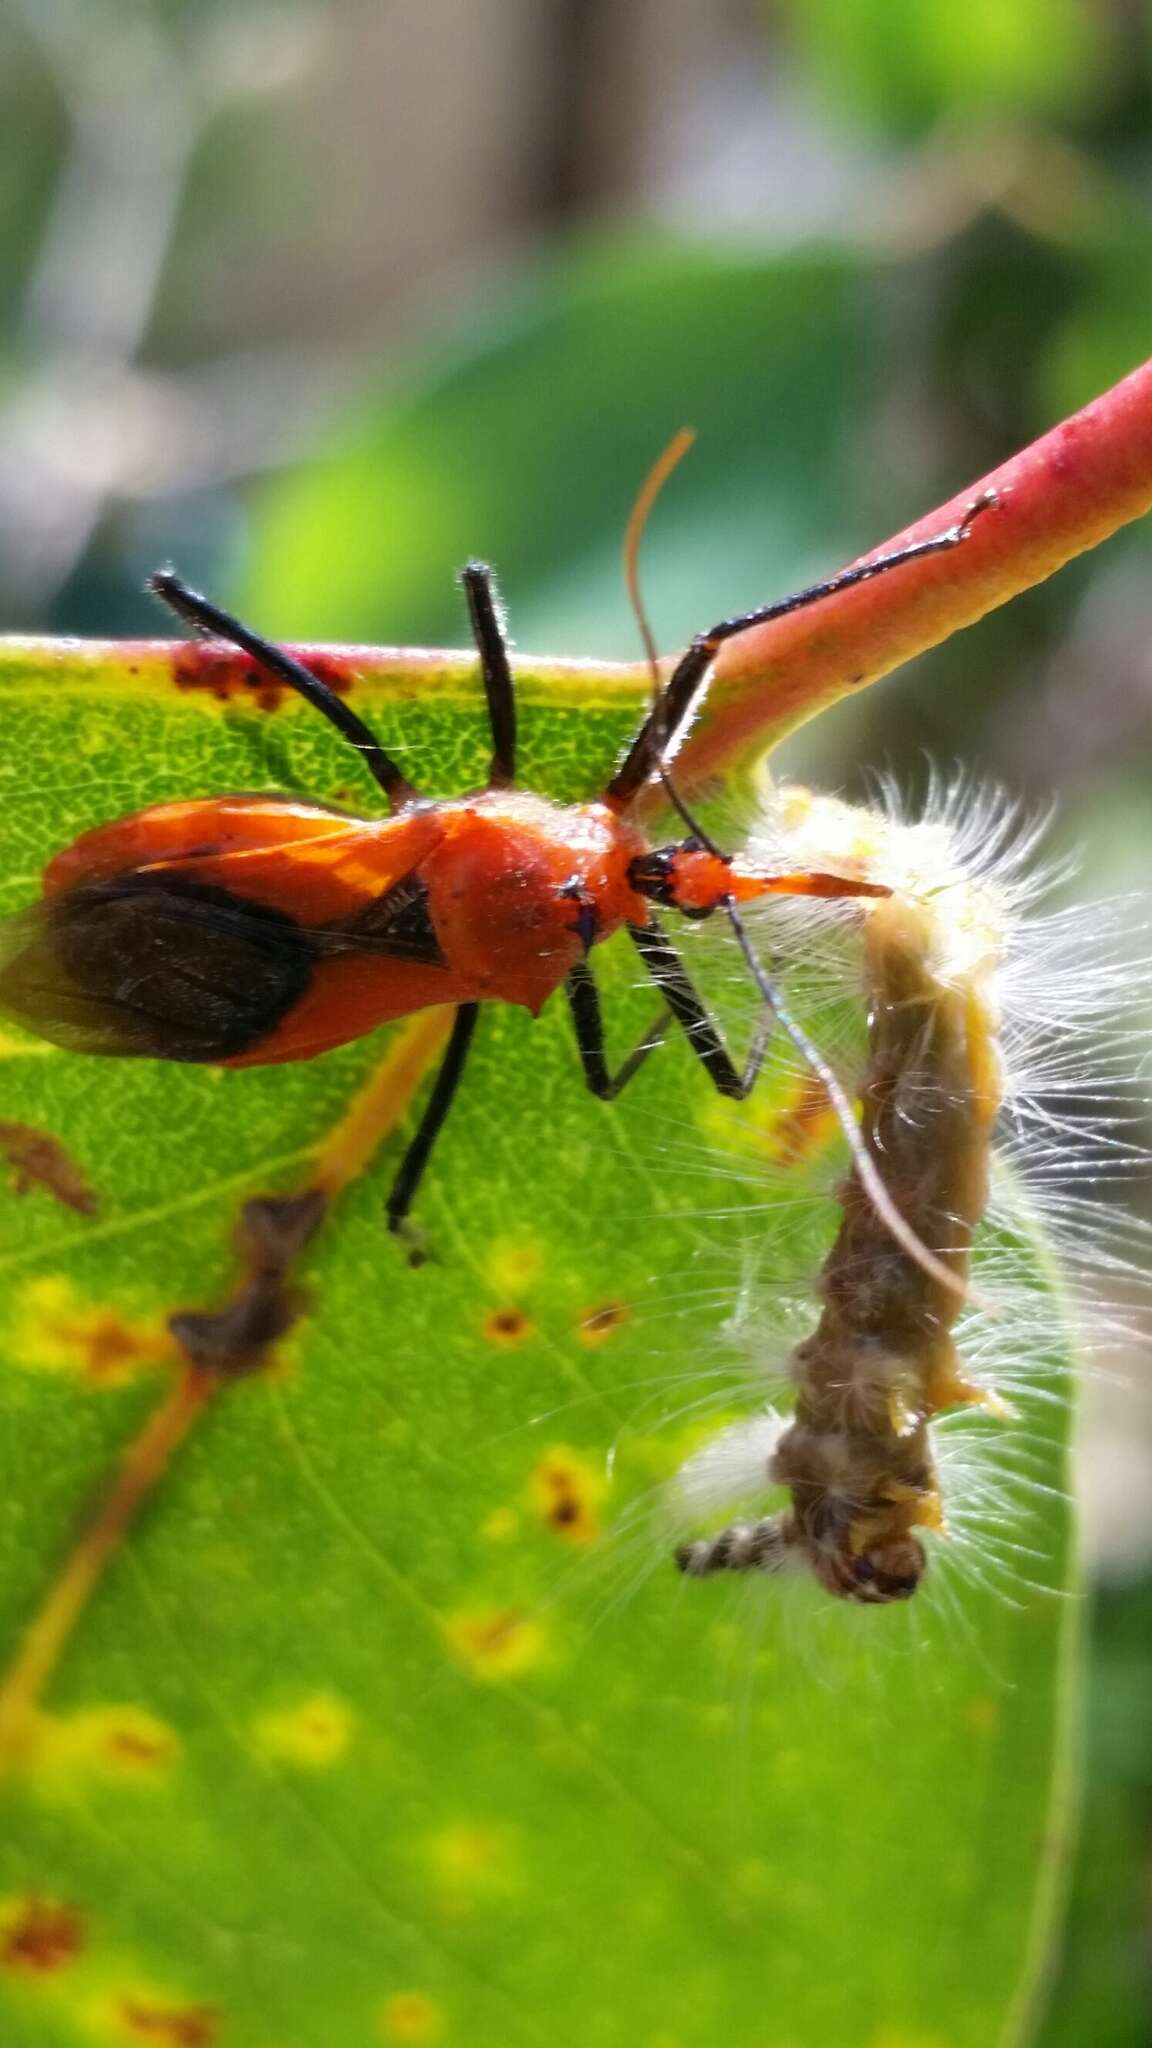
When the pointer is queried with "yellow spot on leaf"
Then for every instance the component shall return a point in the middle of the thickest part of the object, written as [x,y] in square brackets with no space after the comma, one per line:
[470,1865]
[411,2016]
[983,1716]
[313,1734]
[500,1526]
[567,1492]
[497,1642]
[511,1268]
[57,1330]
[121,1744]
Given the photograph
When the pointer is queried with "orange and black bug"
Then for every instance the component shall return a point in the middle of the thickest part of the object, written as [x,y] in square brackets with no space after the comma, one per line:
[243,930]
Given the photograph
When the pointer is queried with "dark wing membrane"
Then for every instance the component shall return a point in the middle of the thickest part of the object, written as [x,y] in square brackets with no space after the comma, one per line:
[153,965]
[397,926]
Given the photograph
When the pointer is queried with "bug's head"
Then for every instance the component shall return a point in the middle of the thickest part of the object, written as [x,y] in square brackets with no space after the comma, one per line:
[689,877]
[695,878]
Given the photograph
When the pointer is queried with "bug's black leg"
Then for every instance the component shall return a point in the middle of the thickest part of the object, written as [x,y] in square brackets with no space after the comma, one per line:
[436,1109]
[675,701]
[680,994]
[498,685]
[207,618]
[588,1022]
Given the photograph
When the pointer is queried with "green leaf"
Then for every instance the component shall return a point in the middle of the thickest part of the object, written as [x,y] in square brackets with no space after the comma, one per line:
[354,1743]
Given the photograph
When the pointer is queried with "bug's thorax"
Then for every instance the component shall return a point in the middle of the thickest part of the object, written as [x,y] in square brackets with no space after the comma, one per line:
[519,888]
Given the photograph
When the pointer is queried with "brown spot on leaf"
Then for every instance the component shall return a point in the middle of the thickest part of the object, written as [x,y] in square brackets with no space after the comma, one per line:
[507,1326]
[138,1742]
[111,1346]
[596,1325]
[147,2018]
[225,673]
[38,1936]
[312,1734]
[121,1742]
[498,1642]
[58,1331]
[273,1232]
[567,1492]
[37,1159]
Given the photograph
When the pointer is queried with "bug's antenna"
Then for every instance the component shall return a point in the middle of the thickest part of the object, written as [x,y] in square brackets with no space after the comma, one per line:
[208,620]
[867,1171]
[638,518]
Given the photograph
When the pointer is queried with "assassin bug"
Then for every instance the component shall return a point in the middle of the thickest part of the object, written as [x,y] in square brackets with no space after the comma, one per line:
[245,930]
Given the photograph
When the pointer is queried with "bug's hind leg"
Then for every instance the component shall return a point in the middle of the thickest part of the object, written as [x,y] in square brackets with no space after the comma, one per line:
[415,1160]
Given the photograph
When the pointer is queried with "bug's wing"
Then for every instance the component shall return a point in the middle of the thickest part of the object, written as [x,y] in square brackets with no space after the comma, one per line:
[153,966]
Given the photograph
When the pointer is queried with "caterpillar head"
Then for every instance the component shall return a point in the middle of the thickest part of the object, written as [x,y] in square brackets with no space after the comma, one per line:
[889,1568]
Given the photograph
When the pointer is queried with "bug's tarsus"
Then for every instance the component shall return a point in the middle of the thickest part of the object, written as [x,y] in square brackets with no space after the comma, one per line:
[499,689]
[675,702]
[209,620]
[419,1151]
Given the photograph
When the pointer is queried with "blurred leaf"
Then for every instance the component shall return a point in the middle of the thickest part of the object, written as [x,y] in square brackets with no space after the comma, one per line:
[905,64]
[1101,1991]
[356,1744]
[528,445]
[1105,329]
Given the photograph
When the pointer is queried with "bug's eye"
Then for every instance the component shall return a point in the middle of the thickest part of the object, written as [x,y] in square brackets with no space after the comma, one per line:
[650,874]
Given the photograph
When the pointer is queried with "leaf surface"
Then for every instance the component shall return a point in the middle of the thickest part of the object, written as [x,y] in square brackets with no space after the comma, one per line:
[359,1740]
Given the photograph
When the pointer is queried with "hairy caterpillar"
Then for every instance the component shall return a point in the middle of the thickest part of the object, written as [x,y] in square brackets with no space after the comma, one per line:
[947,972]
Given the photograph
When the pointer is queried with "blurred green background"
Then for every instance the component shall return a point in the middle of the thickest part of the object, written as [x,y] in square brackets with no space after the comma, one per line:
[317,300]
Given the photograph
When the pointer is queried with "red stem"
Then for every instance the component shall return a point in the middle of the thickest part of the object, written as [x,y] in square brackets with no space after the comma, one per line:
[1061,495]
